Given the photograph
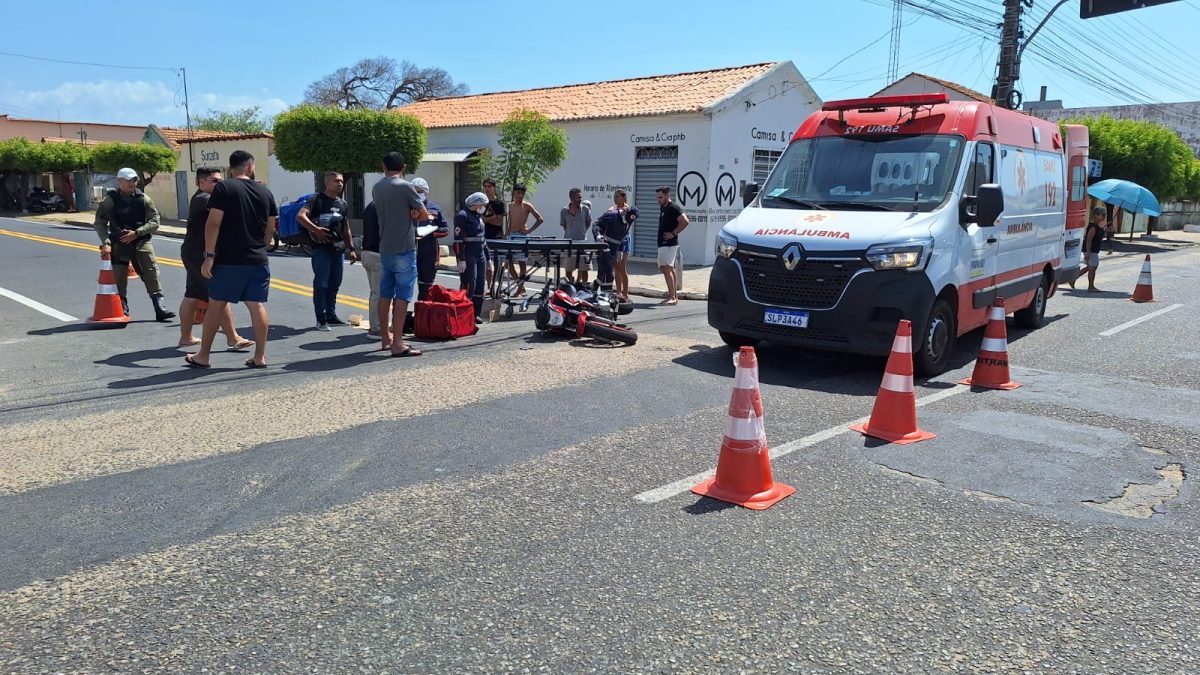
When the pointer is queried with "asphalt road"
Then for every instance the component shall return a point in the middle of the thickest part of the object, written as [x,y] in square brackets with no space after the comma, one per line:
[511,503]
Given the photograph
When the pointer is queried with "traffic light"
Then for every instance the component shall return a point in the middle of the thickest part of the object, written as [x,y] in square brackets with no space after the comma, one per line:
[1092,8]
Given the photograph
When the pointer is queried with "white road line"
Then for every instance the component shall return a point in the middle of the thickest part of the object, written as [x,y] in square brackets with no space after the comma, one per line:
[684,484]
[1131,324]
[29,302]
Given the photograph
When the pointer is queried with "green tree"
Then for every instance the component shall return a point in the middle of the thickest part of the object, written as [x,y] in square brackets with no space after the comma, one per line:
[25,159]
[148,160]
[245,121]
[312,138]
[1147,153]
[530,148]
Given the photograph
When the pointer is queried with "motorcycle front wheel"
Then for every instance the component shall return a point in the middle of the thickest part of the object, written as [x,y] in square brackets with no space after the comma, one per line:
[611,332]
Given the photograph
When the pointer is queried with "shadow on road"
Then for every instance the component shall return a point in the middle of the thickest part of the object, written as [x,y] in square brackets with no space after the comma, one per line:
[342,342]
[184,374]
[134,359]
[706,505]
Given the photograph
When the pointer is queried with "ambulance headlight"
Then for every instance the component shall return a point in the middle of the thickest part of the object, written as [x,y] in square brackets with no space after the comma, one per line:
[902,256]
[726,244]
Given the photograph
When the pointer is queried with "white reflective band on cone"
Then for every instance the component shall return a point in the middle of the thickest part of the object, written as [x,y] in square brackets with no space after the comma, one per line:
[997,314]
[901,384]
[746,378]
[994,345]
[1144,279]
[902,344]
[748,429]
[106,265]
[107,289]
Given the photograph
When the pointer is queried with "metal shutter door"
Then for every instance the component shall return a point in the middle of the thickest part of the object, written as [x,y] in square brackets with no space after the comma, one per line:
[654,166]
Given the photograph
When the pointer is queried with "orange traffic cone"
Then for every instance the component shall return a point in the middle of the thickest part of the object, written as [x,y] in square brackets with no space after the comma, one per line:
[1144,291]
[991,368]
[201,310]
[108,304]
[744,467]
[894,417]
[132,271]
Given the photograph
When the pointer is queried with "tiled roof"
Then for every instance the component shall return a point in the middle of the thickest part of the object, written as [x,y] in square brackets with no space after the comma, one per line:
[57,140]
[638,97]
[953,86]
[93,124]
[183,135]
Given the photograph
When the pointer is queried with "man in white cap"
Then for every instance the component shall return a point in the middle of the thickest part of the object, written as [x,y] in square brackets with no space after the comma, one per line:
[125,221]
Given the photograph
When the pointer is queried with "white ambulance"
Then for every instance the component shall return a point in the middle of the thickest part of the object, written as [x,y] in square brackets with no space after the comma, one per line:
[902,207]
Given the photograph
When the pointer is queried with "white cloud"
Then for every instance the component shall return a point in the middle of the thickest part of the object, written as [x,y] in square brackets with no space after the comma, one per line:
[127,102]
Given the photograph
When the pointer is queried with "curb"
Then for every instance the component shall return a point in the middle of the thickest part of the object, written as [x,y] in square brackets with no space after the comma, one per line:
[178,233]
[640,291]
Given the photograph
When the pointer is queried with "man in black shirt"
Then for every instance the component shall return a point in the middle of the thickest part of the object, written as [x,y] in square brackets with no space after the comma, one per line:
[671,222]
[195,294]
[493,222]
[241,220]
[325,216]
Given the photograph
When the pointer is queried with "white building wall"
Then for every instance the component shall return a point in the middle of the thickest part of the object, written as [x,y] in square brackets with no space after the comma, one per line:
[287,185]
[778,104]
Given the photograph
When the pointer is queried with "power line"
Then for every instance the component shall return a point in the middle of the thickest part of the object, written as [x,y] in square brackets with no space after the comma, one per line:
[86,63]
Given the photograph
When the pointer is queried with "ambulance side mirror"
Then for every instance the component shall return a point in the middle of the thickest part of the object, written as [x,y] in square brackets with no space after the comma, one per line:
[982,208]
[749,193]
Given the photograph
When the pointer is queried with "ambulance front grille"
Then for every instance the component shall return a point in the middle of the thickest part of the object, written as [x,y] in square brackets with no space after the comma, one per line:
[814,284]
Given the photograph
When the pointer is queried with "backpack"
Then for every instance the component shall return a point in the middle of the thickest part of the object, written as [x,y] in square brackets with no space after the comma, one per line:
[290,231]
[446,315]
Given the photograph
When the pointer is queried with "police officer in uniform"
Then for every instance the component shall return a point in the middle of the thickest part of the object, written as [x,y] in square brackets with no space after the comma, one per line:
[471,250]
[125,220]
[428,245]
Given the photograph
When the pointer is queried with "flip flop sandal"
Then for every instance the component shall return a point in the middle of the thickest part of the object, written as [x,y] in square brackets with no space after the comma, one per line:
[241,346]
[251,364]
[193,343]
[408,351]
[192,363]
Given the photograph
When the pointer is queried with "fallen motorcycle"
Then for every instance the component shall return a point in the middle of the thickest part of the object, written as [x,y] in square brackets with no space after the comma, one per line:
[569,312]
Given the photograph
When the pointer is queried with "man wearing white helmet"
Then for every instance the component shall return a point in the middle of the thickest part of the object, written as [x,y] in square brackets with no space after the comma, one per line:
[429,243]
[470,248]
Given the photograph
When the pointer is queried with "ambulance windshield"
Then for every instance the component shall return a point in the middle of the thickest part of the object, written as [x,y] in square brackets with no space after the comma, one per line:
[873,172]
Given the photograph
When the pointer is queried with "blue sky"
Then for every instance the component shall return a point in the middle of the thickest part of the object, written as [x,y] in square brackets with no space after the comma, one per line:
[266,53]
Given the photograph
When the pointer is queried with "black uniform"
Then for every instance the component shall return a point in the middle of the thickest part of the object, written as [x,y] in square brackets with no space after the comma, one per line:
[471,249]
[611,228]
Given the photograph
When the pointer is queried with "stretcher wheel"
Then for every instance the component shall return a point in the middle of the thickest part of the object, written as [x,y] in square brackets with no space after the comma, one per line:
[508,311]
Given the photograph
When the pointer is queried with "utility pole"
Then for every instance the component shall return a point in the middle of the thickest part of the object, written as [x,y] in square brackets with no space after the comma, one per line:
[894,56]
[1008,68]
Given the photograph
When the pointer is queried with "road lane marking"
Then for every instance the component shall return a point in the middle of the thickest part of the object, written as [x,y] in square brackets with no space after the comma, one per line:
[34,304]
[278,284]
[1131,324]
[684,484]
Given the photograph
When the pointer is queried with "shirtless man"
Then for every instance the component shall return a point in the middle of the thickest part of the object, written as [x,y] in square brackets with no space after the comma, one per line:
[518,217]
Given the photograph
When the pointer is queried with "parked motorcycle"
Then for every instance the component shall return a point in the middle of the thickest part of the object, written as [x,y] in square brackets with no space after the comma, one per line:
[568,311]
[42,200]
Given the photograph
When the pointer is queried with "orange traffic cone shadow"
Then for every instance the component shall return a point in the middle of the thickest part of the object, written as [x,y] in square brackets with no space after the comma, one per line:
[132,271]
[1144,291]
[894,417]
[991,368]
[201,311]
[108,309]
[744,467]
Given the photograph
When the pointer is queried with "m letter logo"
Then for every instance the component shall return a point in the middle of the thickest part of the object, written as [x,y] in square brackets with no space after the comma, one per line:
[726,190]
[692,188]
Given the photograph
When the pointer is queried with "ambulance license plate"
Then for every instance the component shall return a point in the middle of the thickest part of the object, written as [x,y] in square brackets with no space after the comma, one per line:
[786,317]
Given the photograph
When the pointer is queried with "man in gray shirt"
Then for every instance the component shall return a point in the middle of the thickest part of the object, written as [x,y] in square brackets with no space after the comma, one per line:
[399,208]
[576,220]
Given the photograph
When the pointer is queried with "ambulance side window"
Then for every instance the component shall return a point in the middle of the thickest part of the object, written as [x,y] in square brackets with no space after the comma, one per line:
[982,169]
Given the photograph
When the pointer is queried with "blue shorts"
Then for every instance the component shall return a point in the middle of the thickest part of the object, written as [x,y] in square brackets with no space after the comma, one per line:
[399,275]
[627,245]
[235,283]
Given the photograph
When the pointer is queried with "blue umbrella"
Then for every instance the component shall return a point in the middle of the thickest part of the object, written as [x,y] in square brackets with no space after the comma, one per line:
[1127,195]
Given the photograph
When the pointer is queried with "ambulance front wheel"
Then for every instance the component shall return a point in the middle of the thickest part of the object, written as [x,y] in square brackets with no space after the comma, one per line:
[937,344]
[1034,315]
[737,341]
